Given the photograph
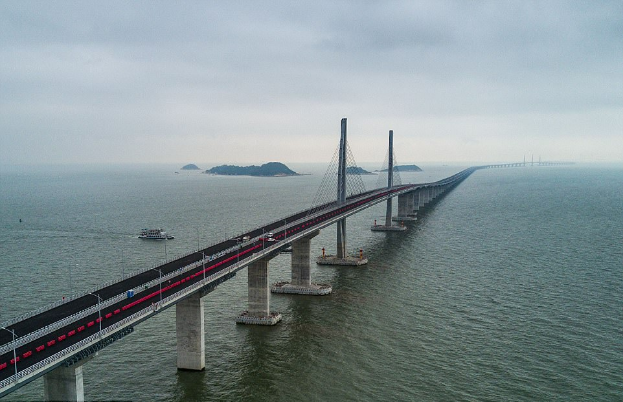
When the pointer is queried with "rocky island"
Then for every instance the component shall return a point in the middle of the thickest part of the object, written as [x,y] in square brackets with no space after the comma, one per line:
[357,170]
[191,167]
[405,168]
[270,169]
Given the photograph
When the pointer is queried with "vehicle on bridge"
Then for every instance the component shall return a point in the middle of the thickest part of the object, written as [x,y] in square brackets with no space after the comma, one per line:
[268,237]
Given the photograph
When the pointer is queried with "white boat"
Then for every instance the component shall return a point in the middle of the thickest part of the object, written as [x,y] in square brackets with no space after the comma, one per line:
[154,234]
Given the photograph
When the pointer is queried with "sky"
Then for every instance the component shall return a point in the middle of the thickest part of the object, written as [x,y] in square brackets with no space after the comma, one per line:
[247,82]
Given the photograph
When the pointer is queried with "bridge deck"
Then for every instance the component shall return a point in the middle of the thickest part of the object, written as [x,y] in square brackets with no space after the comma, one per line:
[78,319]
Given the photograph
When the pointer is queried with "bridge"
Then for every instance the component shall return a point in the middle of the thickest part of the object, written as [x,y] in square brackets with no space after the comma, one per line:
[56,340]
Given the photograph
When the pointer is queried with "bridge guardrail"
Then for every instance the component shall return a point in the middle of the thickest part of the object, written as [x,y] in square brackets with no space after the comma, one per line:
[22,340]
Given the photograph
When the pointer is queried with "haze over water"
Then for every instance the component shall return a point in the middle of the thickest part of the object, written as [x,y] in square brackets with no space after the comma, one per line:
[509,289]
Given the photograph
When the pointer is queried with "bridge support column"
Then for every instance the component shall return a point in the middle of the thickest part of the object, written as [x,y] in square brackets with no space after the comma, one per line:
[301,267]
[259,297]
[411,205]
[189,324]
[64,383]
[341,238]
[405,208]
[416,202]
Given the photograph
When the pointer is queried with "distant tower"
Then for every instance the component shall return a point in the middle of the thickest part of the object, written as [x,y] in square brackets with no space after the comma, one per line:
[341,193]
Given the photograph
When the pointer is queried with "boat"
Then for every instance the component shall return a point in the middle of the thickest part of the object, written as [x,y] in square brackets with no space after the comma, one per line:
[154,234]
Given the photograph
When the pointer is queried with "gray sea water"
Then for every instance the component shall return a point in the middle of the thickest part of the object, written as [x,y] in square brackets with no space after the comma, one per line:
[509,289]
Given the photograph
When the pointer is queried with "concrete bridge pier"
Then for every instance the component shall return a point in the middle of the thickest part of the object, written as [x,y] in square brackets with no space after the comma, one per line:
[411,205]
[416,203]
[405,208]
[424,199]
[189,324]
[421,199]
[301,277]
[65,383]
[259,296]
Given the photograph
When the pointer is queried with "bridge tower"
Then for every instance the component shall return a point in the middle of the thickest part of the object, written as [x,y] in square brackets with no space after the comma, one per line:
[388,227]
[342,257]
[341,192]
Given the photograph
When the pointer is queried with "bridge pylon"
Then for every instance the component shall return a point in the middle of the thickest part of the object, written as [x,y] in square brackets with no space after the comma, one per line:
[388,226]
[342,257]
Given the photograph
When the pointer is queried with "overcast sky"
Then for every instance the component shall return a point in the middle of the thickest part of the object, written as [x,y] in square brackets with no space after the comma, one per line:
[251,82]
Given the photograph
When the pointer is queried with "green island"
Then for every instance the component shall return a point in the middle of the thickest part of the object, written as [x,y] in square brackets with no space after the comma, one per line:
[357,170]
[405,168]
[270,169]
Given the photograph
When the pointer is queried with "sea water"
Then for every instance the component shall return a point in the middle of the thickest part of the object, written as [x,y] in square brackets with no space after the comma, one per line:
[509,289]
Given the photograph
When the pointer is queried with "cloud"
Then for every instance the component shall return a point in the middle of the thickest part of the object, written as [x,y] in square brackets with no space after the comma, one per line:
[259,81]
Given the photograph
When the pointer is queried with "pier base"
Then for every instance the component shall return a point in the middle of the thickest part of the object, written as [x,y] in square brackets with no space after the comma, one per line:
[408,218]
[259,297]
[314,289]
[246,318]
[386,228]
[348,260]
[189,324]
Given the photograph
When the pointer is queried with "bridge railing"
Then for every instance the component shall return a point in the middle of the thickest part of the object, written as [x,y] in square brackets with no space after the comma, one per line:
[22,340]
[71,349]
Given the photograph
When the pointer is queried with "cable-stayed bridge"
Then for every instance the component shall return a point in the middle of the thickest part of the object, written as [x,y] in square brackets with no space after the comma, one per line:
[57,340]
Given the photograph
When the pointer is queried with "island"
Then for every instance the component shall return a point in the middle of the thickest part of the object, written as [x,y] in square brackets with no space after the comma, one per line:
[357,170]
[270,169]
[191,167]
[405,168]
